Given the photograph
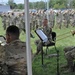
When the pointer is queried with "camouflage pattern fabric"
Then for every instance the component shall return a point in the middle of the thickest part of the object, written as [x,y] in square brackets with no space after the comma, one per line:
[14,58]
[70,56]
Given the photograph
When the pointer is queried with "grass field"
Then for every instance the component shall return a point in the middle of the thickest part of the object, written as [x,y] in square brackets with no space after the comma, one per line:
[50,64]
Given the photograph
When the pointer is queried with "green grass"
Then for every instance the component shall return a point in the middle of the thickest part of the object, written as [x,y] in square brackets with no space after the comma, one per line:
[50,64]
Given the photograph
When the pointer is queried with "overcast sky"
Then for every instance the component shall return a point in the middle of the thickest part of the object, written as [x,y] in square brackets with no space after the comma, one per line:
[19,1]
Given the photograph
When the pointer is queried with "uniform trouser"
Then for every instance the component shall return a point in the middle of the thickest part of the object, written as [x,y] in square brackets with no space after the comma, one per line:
[51,24]
[39,47]
[67,24]
[34,25]
[59,24]
[4,26]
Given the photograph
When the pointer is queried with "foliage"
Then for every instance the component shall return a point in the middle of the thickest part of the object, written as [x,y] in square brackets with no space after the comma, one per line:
[20,6]
[73,3]
[12,4]
[56,4]
[38,5]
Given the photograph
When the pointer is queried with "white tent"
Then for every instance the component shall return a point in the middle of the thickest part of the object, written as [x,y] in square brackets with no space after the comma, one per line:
[29,63]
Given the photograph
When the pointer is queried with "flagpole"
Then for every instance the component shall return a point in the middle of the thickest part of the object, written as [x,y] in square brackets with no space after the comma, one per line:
[28,49]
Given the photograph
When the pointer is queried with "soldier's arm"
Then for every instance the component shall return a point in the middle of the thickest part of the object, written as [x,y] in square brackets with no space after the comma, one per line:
[2,54]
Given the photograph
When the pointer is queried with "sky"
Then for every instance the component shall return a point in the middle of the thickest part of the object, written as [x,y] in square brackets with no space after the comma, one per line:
[19,1]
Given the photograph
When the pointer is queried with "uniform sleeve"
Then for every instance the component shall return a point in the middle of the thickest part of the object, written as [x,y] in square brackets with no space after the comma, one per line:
[2,54]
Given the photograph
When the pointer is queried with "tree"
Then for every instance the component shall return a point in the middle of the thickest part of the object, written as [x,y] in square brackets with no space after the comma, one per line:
[12,4]
[40,5]
[58,4]
[20,6]
[73,3]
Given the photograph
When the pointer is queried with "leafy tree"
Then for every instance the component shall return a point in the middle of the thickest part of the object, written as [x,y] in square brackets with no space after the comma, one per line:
[12,4]
[57,4]
[31,5]
[39,5]
[52,3]
[73,3]
[20,6]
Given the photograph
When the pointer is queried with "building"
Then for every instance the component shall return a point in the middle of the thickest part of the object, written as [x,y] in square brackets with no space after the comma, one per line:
[4,8]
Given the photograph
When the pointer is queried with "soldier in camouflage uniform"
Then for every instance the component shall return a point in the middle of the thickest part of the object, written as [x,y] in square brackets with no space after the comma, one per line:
[4,17]
[52,18]
[66,17]
[73,19]
[34,20]
[70,56]
[13,54]
[8,20]
[59,19]
[12,17]
[48,32]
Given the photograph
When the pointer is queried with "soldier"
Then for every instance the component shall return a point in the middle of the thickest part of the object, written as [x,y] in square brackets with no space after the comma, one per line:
[52,18]
[12,17]
[34,20]
[70,57]
[8,20]
[67,18]
[4,17]
[13,54]
[17,20]
[59,18]
[73,19]
[48,32]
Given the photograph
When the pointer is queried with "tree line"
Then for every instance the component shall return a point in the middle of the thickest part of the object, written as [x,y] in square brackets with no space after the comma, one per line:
[55,4]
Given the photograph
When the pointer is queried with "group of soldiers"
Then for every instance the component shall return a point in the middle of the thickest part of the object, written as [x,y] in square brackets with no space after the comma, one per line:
[9,19]
[40,19]
[65,18]
[59,18]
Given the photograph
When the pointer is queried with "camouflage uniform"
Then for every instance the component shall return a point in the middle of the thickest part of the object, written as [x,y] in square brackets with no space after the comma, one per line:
[73,19]
[59,19]
[34,20]
[47,32]
[17,21]
[66,18]
[8,21]
[52,18]
[15,58]
[22,22]
[3,70]
[4,17]
[70,56]
[12,21]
